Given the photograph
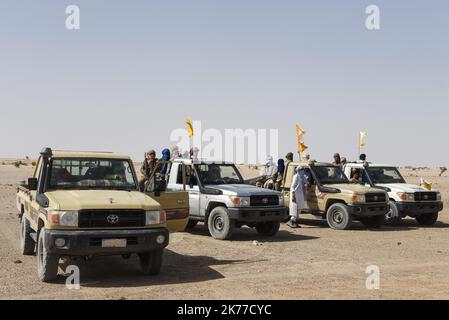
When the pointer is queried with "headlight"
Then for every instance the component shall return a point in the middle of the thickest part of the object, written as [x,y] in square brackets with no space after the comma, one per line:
[406,196]
[240,201]
[63,218]
[155,217]
[281,200]
[359,198]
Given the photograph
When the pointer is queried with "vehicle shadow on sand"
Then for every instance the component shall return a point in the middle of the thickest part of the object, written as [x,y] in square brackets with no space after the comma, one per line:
[114,271]
[250,234]
[405,225]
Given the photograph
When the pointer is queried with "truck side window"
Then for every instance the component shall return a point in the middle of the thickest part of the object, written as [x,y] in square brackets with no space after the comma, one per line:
[365,179]
[309,176]
[190,176]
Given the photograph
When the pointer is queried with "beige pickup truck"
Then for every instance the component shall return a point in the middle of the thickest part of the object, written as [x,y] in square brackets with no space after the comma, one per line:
[331,196]
[88,204]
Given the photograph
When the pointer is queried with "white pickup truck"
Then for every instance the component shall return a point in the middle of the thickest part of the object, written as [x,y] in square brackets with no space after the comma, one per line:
[219,197]
[405,199]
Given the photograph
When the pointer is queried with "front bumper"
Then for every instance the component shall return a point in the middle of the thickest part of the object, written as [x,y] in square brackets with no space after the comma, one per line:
[83,243]
[417,208]
[368,210]
[258,214]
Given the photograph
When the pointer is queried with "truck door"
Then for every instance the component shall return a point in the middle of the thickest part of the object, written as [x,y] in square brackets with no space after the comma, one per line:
[193,189]
[287,182]
[175,202]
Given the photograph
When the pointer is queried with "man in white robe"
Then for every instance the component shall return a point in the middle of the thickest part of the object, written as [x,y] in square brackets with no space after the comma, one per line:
[298,197]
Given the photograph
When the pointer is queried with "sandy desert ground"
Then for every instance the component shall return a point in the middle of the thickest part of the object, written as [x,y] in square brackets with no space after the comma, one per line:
[313,262]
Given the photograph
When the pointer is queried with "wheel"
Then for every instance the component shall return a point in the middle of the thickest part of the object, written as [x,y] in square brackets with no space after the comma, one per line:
[393,217]
[47,263]
[220,225]
[191,224]
[338,217]
[427,219]
[268,229]
[27,244]
[151,262]
[373,222]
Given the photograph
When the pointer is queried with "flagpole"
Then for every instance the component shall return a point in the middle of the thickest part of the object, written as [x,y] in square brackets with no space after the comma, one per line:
[360,148]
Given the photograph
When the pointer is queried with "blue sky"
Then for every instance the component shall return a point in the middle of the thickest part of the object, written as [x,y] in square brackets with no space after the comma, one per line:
[136,69]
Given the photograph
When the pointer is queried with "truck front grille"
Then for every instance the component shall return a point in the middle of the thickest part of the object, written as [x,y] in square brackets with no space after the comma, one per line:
[264,201]
[375,197]
[425,196]
[111,218]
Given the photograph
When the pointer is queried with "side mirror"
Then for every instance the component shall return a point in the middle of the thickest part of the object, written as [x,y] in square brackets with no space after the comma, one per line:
[191,181]
[157,188]
[32,184]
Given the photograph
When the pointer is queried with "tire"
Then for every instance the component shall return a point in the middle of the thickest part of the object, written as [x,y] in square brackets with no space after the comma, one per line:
[393,217]
[269,228]
[151,262]
[338,217]
[373,222]
[47,263]
[191,224]
[27,244]
[220,225]
[427,219]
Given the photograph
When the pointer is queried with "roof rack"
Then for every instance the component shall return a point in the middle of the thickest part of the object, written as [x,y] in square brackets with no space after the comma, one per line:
[84,151]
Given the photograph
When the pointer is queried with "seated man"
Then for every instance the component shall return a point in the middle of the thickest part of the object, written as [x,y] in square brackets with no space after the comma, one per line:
[356,177]
[61,175]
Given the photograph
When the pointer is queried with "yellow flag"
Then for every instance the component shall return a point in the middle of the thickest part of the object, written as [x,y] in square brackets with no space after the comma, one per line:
[362,137]
[299,132]
[302,147]
[189,127]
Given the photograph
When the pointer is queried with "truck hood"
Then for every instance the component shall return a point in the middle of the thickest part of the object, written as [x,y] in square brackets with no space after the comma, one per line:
[100,199]
[243,190]
[405,187]
[354,188]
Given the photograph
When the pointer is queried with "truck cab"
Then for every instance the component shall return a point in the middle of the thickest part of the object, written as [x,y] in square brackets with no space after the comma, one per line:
[331,196]
[85,204]
[219,197]
[405,199]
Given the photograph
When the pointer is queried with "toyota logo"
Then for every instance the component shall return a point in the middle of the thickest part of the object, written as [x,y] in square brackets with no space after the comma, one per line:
[264,200]
[376,198]
[426,197]
[112,218]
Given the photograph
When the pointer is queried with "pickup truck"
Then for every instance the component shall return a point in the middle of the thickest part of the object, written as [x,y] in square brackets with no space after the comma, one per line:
[84,204]
[405,199]
[331,196]
[219,198]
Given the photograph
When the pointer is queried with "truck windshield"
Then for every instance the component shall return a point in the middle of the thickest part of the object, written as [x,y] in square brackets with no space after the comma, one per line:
[91,173]
[218,174]
[380,175]
[330,175]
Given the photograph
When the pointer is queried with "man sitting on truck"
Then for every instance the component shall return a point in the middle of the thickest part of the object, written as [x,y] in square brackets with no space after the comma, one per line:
[148,166]
[356,177]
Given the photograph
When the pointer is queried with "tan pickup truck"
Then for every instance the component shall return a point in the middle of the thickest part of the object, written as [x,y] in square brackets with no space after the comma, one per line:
[331,196]
[88,204]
